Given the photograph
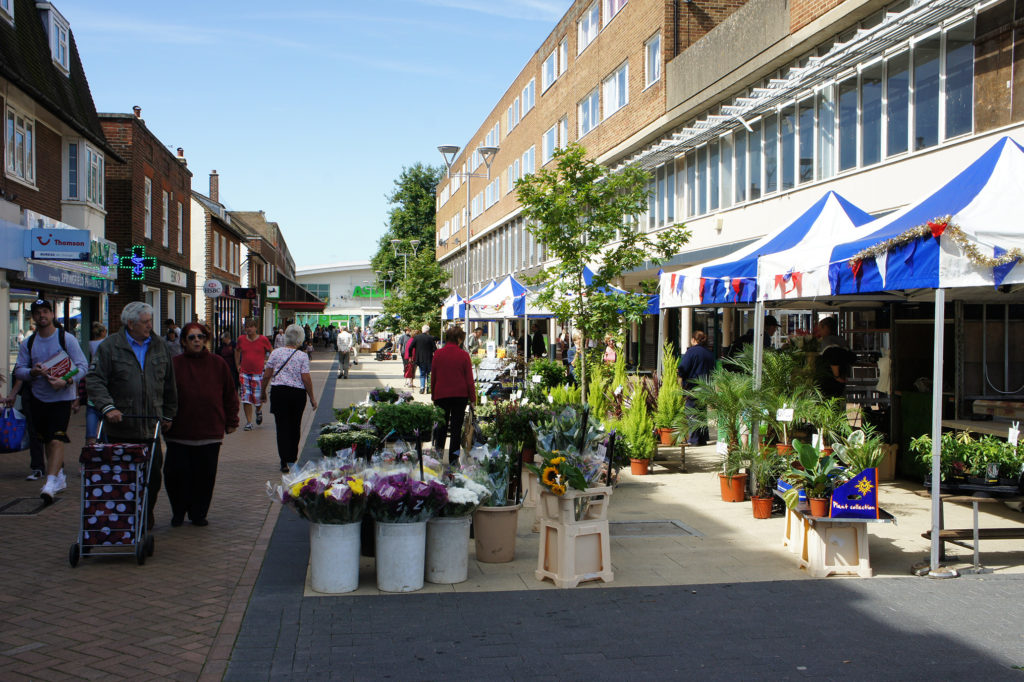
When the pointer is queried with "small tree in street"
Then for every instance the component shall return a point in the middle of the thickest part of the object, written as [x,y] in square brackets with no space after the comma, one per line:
[419,296]
[587,216]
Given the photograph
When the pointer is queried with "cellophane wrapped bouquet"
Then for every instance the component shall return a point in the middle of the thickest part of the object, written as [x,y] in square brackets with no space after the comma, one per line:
[328,491]
[464,495]
[491,468]
[564,464]
[397,496]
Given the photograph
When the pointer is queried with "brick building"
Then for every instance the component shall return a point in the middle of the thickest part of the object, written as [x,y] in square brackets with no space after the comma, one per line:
[148,216]
[258,269]
[54,155]
[745,113]
[217,260]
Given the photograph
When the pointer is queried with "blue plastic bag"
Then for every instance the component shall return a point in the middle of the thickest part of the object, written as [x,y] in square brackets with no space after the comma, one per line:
[12,430]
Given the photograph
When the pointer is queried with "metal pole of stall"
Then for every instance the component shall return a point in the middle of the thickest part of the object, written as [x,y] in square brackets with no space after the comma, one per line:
[940,337]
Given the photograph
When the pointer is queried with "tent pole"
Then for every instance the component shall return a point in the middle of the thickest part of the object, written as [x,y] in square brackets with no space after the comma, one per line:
[758,361]
[661,344]
[939,331]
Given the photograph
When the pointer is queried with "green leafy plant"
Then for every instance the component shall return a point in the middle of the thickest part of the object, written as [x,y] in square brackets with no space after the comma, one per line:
[818,476]
[670,396]
[766,465]
[638,426]
[365,442]
[565,394]
[724,398]
[598,398]
[828,415]
[860,450]
[407,419]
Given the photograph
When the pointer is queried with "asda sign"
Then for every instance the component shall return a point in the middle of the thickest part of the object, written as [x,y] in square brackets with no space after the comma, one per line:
[370,292]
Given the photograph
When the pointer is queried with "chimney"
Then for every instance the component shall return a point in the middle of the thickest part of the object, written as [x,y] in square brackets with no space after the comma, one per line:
[181,157]
[138,111]
[215,186]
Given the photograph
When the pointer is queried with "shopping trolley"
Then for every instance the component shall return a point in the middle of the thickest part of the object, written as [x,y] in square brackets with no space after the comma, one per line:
[115,492]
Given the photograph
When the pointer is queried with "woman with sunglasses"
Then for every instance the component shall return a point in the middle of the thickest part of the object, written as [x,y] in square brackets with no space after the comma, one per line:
[207,409]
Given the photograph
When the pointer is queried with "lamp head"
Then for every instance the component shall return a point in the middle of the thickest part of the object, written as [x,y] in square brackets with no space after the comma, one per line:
[415,245]
[488,154]
[448,151]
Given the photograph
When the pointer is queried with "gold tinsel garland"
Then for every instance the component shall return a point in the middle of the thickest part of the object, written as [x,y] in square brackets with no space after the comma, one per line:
[936,228]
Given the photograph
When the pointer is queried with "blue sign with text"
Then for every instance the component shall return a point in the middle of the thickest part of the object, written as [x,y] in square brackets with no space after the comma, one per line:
[57,244]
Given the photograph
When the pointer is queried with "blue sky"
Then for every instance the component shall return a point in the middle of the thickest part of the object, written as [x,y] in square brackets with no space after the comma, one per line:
[308,113]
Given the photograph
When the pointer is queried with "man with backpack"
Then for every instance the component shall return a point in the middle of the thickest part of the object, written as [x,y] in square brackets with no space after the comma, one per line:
[52,390]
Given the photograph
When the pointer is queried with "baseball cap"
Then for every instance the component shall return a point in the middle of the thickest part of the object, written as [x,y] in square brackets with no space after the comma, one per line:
[770,321]
[40,303]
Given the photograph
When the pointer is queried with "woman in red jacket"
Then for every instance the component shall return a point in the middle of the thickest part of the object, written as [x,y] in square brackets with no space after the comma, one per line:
[207,409]
[452,388]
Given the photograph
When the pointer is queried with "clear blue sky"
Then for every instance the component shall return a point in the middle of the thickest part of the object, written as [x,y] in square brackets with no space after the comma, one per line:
[308,110]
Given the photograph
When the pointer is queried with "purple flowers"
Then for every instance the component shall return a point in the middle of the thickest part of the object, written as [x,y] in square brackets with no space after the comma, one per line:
[398,498]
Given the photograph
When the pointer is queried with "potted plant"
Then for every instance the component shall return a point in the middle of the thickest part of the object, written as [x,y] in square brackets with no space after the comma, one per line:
[410,421]
[637,428]
[860,450]
[766,465]
[828,415]
[732,479]
[726,399]
[670,400]
[447,558]
[818,477]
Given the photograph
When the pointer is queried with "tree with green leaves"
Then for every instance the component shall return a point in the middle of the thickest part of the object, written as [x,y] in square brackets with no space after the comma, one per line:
[586,216]
[420,285]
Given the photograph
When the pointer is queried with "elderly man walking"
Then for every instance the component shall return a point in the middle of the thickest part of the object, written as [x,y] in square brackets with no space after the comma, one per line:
[131,375]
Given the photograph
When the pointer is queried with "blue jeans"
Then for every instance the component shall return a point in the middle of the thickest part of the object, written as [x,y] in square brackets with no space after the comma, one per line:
[424,375]
[92,421]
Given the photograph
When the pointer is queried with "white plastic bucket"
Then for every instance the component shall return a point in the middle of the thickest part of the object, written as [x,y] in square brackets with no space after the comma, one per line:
[334,557]
[448,549]
[401,556]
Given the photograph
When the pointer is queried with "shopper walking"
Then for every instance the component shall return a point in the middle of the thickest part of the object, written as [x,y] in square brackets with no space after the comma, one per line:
[51,394]
[287,377]
[226,349]
[424,346]
[251,351]
[131,375]
[343,343]
[207,410]
[696,363]
[452,388]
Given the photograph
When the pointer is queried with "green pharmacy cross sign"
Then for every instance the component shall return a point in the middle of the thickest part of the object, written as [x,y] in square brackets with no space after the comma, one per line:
[138,262]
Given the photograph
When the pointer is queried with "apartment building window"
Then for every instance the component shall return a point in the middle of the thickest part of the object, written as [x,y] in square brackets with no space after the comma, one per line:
[494,135]
[20,147]
[826,132]
[166,221]
[59,31]
[588,112]
[616,90]
[586,28]
[72,170]
[871,115]
[513,176]
[147,208]
[549,71]
[94,179]
[926,93]
[549,143]
[528,160]
[563,132]
[181,226]
[754,161]
[726,188]
[897,103]
[216,250]
[7,10]
[771,153]
[805,119]
[739,167]
[611,8]
[959,85]
[527,99]
[661,197]
[512,116]
[652,52]
[787,137]
[563,56]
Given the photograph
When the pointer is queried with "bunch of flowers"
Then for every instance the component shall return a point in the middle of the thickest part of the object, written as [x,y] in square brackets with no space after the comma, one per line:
[388,394]
[464,496]
[399,498]
[491,468]
[333,496]
[559,471]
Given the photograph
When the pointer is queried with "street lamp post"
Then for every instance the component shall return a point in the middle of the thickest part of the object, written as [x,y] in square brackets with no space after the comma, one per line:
[415,243]
[448,151]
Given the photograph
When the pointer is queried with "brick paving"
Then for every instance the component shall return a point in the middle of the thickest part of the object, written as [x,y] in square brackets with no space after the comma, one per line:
[178,616]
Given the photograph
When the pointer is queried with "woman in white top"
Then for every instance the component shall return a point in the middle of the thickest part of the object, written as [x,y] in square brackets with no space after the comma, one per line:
[287,375]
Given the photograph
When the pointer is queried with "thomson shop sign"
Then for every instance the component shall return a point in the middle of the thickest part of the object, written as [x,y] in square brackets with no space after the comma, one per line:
[57,244]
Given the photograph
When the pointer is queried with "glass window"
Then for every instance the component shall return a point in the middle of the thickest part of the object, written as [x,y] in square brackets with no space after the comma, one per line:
[754,161]
[806,140]
[727,181]
[960,79]
[926,93]
[548,71]
[670,193]
[147,209]
[771,153]
[826,132]
[653,66]
[588,112]
[94,178]
[563,56]
[714,171]
[72,170]
[528,160]
[527,99]
[787,135]
[548,145]
[897,103]
[20,147]
[166,220]
[691,183]
[586,28]
[563,132]
[848,124]
[871,115]
[611,8]
[702,180]
[616,90]
[740,166]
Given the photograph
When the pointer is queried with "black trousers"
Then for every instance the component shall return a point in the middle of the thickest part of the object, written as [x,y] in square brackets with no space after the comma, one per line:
[190,472]
[37,460]
[287,404]
[454,417]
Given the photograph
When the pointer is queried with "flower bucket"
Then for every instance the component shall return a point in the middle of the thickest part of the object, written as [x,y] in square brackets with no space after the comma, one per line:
[334,557]
[494,533]
[448,549]
[639,467]
[401,556]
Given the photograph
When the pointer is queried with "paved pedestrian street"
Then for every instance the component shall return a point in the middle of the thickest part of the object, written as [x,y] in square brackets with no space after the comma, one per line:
[712,595]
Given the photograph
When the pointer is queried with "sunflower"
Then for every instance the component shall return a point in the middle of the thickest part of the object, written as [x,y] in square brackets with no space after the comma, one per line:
[549,476]
[558,489]
[557,460]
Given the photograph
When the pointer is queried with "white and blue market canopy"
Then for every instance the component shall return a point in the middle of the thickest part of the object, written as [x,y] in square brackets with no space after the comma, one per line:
[733,279]
[969,233]
[453,308]
[507,298]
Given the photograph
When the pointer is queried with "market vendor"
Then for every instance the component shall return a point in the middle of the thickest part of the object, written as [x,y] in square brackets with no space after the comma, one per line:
[834,361]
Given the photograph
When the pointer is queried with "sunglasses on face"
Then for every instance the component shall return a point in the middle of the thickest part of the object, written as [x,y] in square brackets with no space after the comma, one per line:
[193,337]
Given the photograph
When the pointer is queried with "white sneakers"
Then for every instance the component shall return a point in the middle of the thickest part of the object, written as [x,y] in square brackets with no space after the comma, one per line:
[53,485]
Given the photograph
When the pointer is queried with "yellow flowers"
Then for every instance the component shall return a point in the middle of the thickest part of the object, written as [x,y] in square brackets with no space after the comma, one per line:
[558,489]
[356,485]
[557,460]
[550,476]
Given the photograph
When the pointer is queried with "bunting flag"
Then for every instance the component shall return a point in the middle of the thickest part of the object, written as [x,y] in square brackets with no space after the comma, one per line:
[790,282]
[938,226]
[999,272]
[672,282]
[855,266]
[737,287]
[703,283]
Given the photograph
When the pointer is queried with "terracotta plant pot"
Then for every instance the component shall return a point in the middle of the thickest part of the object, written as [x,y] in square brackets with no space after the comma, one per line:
[734,488]
[784,449]
[639,467]
[820,506]
[762,507]
[665,435]
[825,452]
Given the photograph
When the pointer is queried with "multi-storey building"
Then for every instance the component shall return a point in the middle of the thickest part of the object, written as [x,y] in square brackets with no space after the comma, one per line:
[258,269]
[148,215]
[217,260]
[745,113]
[54,154]
[351,292]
